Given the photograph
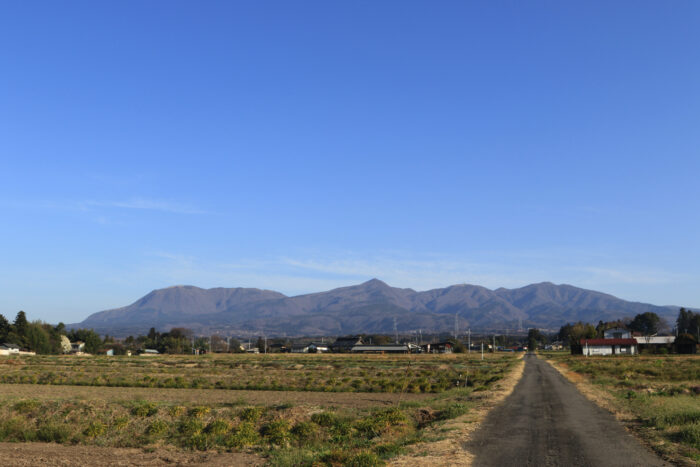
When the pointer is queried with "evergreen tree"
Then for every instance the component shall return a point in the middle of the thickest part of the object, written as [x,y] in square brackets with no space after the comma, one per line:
[684,323]
[646,323]
[5,329]
[37,339]
[20,324]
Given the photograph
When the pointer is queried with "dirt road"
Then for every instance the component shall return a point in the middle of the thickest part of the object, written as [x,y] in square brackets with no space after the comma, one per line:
[546,421]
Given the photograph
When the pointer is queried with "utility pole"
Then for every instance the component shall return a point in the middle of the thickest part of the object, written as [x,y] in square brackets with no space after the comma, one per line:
[396,332]
[469,340]
[456,326]
[265,344]
[482,350]
[494,343]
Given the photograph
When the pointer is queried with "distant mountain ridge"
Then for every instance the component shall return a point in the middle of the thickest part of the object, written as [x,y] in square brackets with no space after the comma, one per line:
[370,307]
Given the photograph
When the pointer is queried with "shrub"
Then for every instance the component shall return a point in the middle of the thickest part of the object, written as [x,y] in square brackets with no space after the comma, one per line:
[94,430]
[324,418]
[16,429]
[304,430]
[199,441]
[52,433]
[452,411]
[190,427]
[120,422]
[199,411]
[251,414]
[26,406]
[392,416]
[176,410]
[277,432]
[157,428]
[218,427]
[242,435]
[145,409]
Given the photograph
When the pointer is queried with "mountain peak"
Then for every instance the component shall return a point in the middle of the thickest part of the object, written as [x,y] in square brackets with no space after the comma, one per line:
[375,282]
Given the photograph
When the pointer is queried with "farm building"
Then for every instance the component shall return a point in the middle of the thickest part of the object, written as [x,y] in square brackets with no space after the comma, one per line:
[77,347]
[345,344]
[655,343]
[438,347]
[149,352]
[617,346]
[9,349]
[386,348]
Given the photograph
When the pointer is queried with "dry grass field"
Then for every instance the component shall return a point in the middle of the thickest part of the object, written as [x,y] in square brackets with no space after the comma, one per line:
[658,396]
[283,409]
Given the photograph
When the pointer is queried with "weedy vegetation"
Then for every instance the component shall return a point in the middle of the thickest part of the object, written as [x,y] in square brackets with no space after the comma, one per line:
[285,434]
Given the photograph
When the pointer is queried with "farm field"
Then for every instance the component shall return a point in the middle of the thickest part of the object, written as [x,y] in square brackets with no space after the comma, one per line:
[660,393]
[277,372]
[284,409]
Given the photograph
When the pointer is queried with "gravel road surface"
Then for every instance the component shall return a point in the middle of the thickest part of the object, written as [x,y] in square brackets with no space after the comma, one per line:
[546,421]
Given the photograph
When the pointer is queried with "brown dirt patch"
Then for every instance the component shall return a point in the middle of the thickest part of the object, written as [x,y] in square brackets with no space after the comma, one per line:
[45,454]
[450,451]
[207,396]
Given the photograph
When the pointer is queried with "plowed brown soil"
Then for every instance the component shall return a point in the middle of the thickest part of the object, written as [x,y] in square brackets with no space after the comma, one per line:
[207,396]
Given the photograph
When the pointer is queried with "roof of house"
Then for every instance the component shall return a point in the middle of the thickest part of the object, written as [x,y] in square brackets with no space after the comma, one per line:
[380,348]
[11,346]
[608,342]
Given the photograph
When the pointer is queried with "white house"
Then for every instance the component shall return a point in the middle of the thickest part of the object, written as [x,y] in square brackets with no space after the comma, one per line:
[617,346]
[9,349]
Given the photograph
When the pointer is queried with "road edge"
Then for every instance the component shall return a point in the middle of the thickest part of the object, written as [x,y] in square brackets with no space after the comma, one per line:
[629,421]
[450,451]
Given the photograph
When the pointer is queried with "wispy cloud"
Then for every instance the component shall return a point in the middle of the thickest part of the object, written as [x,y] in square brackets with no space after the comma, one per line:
[145,204]
[149,205]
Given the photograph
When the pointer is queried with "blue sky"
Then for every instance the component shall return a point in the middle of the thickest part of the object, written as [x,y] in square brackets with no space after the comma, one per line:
[300,146]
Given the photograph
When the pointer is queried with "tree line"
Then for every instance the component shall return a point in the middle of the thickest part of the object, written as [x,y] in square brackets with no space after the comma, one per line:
[687,326]
[44,338]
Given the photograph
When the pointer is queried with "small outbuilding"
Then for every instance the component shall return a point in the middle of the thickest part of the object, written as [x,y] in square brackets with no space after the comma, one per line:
[437,347]
[9,349]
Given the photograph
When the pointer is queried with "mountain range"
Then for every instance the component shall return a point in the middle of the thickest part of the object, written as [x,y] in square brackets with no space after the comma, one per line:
[370,307]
